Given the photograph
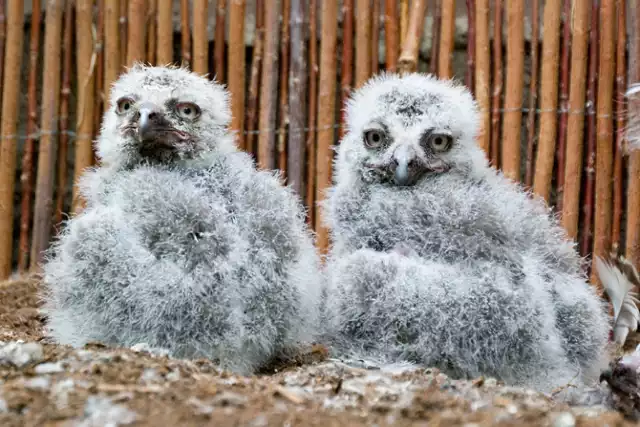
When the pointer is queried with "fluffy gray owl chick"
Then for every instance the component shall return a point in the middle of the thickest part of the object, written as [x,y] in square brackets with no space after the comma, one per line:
[183,244]
[440,260]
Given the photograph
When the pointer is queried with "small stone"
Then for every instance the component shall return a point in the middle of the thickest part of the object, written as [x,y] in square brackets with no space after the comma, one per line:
[229,399]
[49,368]
[20,354]
[564,419]
[37,383]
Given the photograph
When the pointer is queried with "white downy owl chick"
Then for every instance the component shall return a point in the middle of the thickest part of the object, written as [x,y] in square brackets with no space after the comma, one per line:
[440,260]
[183,244]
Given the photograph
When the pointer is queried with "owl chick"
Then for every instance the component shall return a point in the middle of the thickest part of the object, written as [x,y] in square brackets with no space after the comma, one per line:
[183,244]
[438,259]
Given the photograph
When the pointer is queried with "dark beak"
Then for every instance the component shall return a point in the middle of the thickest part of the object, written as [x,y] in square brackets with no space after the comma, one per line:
[151,122]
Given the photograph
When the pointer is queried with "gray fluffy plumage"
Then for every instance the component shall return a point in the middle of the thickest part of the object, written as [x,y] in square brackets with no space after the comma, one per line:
[460,269]
[187,248]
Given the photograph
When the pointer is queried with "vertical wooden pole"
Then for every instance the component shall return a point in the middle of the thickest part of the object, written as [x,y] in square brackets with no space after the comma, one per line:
[311,117]
[447,34]
[112,64]
[85,96]
[620,113]
[136,32]
[391,35]
[604,132]
[548,99]
[200,36]
[326,112]
[375,36]
[8,161]
[48,128]
[483,73]
[632,243]
[363,40]
[346,73]
[575,123]
[297,98]
[268,93]
[496,96]
[284,89]
[236,68]
[471,44]
[185,33]
[164,56]
[219,40]
[151,25]
[26,177]
[533,92]
[408,61]
[435,38]
[511,130]
[254,81]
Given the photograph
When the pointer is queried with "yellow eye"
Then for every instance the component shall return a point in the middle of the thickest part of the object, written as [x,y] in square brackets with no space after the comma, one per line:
[124,105]
[374,138]
[188,110]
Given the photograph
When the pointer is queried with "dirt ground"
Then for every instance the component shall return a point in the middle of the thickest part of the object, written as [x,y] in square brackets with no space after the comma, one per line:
[43,384]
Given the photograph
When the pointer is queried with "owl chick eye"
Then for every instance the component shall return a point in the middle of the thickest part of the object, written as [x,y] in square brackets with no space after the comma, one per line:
[374,138]
[188,110]
[124,105]
[440,142]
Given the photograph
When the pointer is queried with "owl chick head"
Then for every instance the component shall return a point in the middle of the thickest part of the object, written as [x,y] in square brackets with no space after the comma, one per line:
[403,129]
[162,114]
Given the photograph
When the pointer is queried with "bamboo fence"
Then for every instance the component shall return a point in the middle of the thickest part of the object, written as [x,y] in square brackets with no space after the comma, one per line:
[550,94]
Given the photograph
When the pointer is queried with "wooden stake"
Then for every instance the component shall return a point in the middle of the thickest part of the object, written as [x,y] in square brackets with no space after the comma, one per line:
[164,56]
[408,61]
[604,130]
[592,79]
[375,36]
[447,34]
[632,229]
[268,92]
[48,127]
[483,73]
[391,35]
[284,89]
[124,9]
[621,110]
[219,40]
[235,73]
[185,33]
[363,40]
[26,176]
[575,121]
[548,99]
[152,23]
[533,92]
[64,114]
[297,98]
[496,96]
[136,32]
[514,88]
[404,20]
[112,64]
[200,36]
[326,112]
[435,38]
[471,44]
[9,119]
[254,81]
[3,35]
[346,73]
[564,103]
[311,117]
[85,96]
[98,47]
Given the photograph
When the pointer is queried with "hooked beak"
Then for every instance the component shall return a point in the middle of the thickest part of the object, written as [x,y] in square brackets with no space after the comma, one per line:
[403,158]
[155,129]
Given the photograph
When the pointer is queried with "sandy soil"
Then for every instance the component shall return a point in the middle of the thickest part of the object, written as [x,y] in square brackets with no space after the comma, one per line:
[51,385]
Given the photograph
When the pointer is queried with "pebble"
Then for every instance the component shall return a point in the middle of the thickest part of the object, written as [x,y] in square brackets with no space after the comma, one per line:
[564,419]
[20,354]
[229,399]
[37,383]
[49,368]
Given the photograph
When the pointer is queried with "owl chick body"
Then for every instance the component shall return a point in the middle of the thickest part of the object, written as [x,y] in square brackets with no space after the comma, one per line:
[440,260]
[184,246]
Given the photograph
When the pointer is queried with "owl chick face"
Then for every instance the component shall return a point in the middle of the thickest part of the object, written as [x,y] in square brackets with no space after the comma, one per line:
[404,129]
[161,114]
